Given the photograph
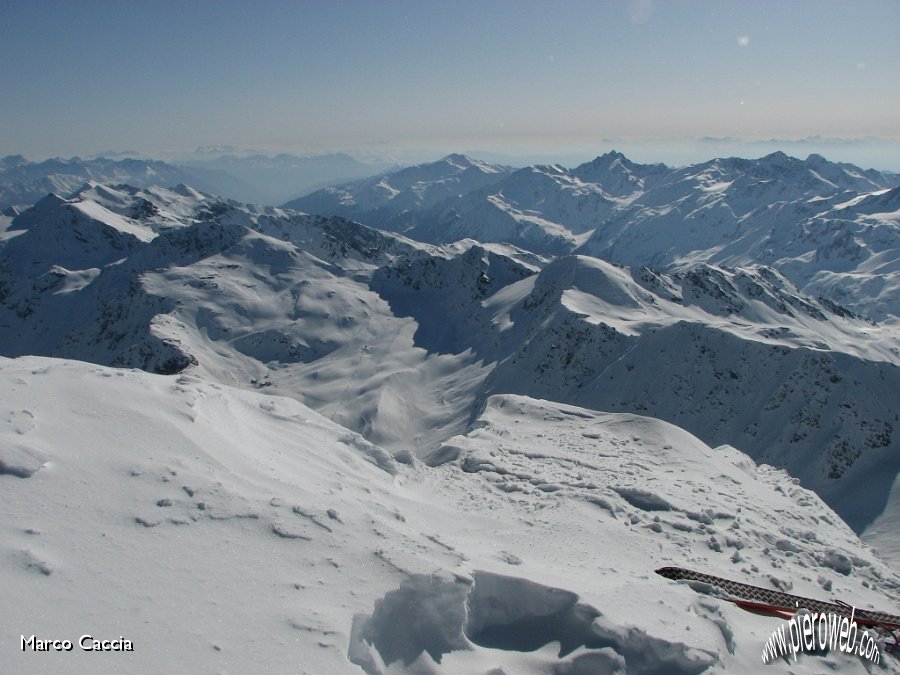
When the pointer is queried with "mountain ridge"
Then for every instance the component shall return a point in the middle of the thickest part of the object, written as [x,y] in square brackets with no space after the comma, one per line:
[792,214]
[254,178]
[403,342]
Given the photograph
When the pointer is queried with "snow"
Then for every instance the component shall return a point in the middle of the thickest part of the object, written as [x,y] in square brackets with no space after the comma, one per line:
[720,186]
[402,342]
[229,530]
[5,232]
[384,200]
[777,210]
[882,535]
[392,456]
[95,211]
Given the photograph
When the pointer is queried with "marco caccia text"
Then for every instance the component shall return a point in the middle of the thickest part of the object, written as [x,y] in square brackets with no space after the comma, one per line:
[87,643]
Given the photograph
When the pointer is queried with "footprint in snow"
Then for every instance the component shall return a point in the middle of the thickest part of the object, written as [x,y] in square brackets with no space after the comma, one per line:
[22,421]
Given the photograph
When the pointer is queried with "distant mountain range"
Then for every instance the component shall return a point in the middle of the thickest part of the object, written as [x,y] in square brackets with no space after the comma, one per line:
[831,228]
[22,183]
[257,178]
[461,440]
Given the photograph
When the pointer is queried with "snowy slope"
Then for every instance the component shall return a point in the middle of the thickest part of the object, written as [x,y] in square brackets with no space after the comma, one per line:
[231,531]
[734,358]
[800,217]
[386,200]
[403,342]
[542,208]
[209,526]
[739,358]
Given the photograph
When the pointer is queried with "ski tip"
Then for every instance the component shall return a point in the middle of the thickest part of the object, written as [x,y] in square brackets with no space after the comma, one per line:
[669,572]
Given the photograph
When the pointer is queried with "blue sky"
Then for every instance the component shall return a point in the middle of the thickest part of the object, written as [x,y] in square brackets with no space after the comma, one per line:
[521,78]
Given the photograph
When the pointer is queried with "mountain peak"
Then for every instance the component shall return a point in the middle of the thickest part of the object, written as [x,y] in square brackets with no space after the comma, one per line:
[458,159]
[12,161]
[611,155]
[187,191]
[619,176]
[607,159]
[52,200]
[778,157]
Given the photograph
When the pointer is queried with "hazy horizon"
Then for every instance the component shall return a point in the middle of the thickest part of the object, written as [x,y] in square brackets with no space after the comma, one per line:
[403,81]
[673,153]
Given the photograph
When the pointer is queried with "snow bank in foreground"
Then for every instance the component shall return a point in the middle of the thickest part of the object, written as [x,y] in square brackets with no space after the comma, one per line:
[222,530]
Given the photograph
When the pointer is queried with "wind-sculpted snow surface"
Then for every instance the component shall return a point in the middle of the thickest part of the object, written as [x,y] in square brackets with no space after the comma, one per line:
[230,530]
[434,616]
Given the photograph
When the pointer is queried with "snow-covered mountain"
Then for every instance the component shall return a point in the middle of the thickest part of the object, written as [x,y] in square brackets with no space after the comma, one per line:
[798,216]
[75,274]
[619,176]
[403,342]
[420,449]
[256,178]
[386,201]
[542,207]
[246,533]
[794,215]
[22,183]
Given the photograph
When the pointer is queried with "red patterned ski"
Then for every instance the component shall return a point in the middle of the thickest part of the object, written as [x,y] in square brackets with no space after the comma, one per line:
[759,599]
